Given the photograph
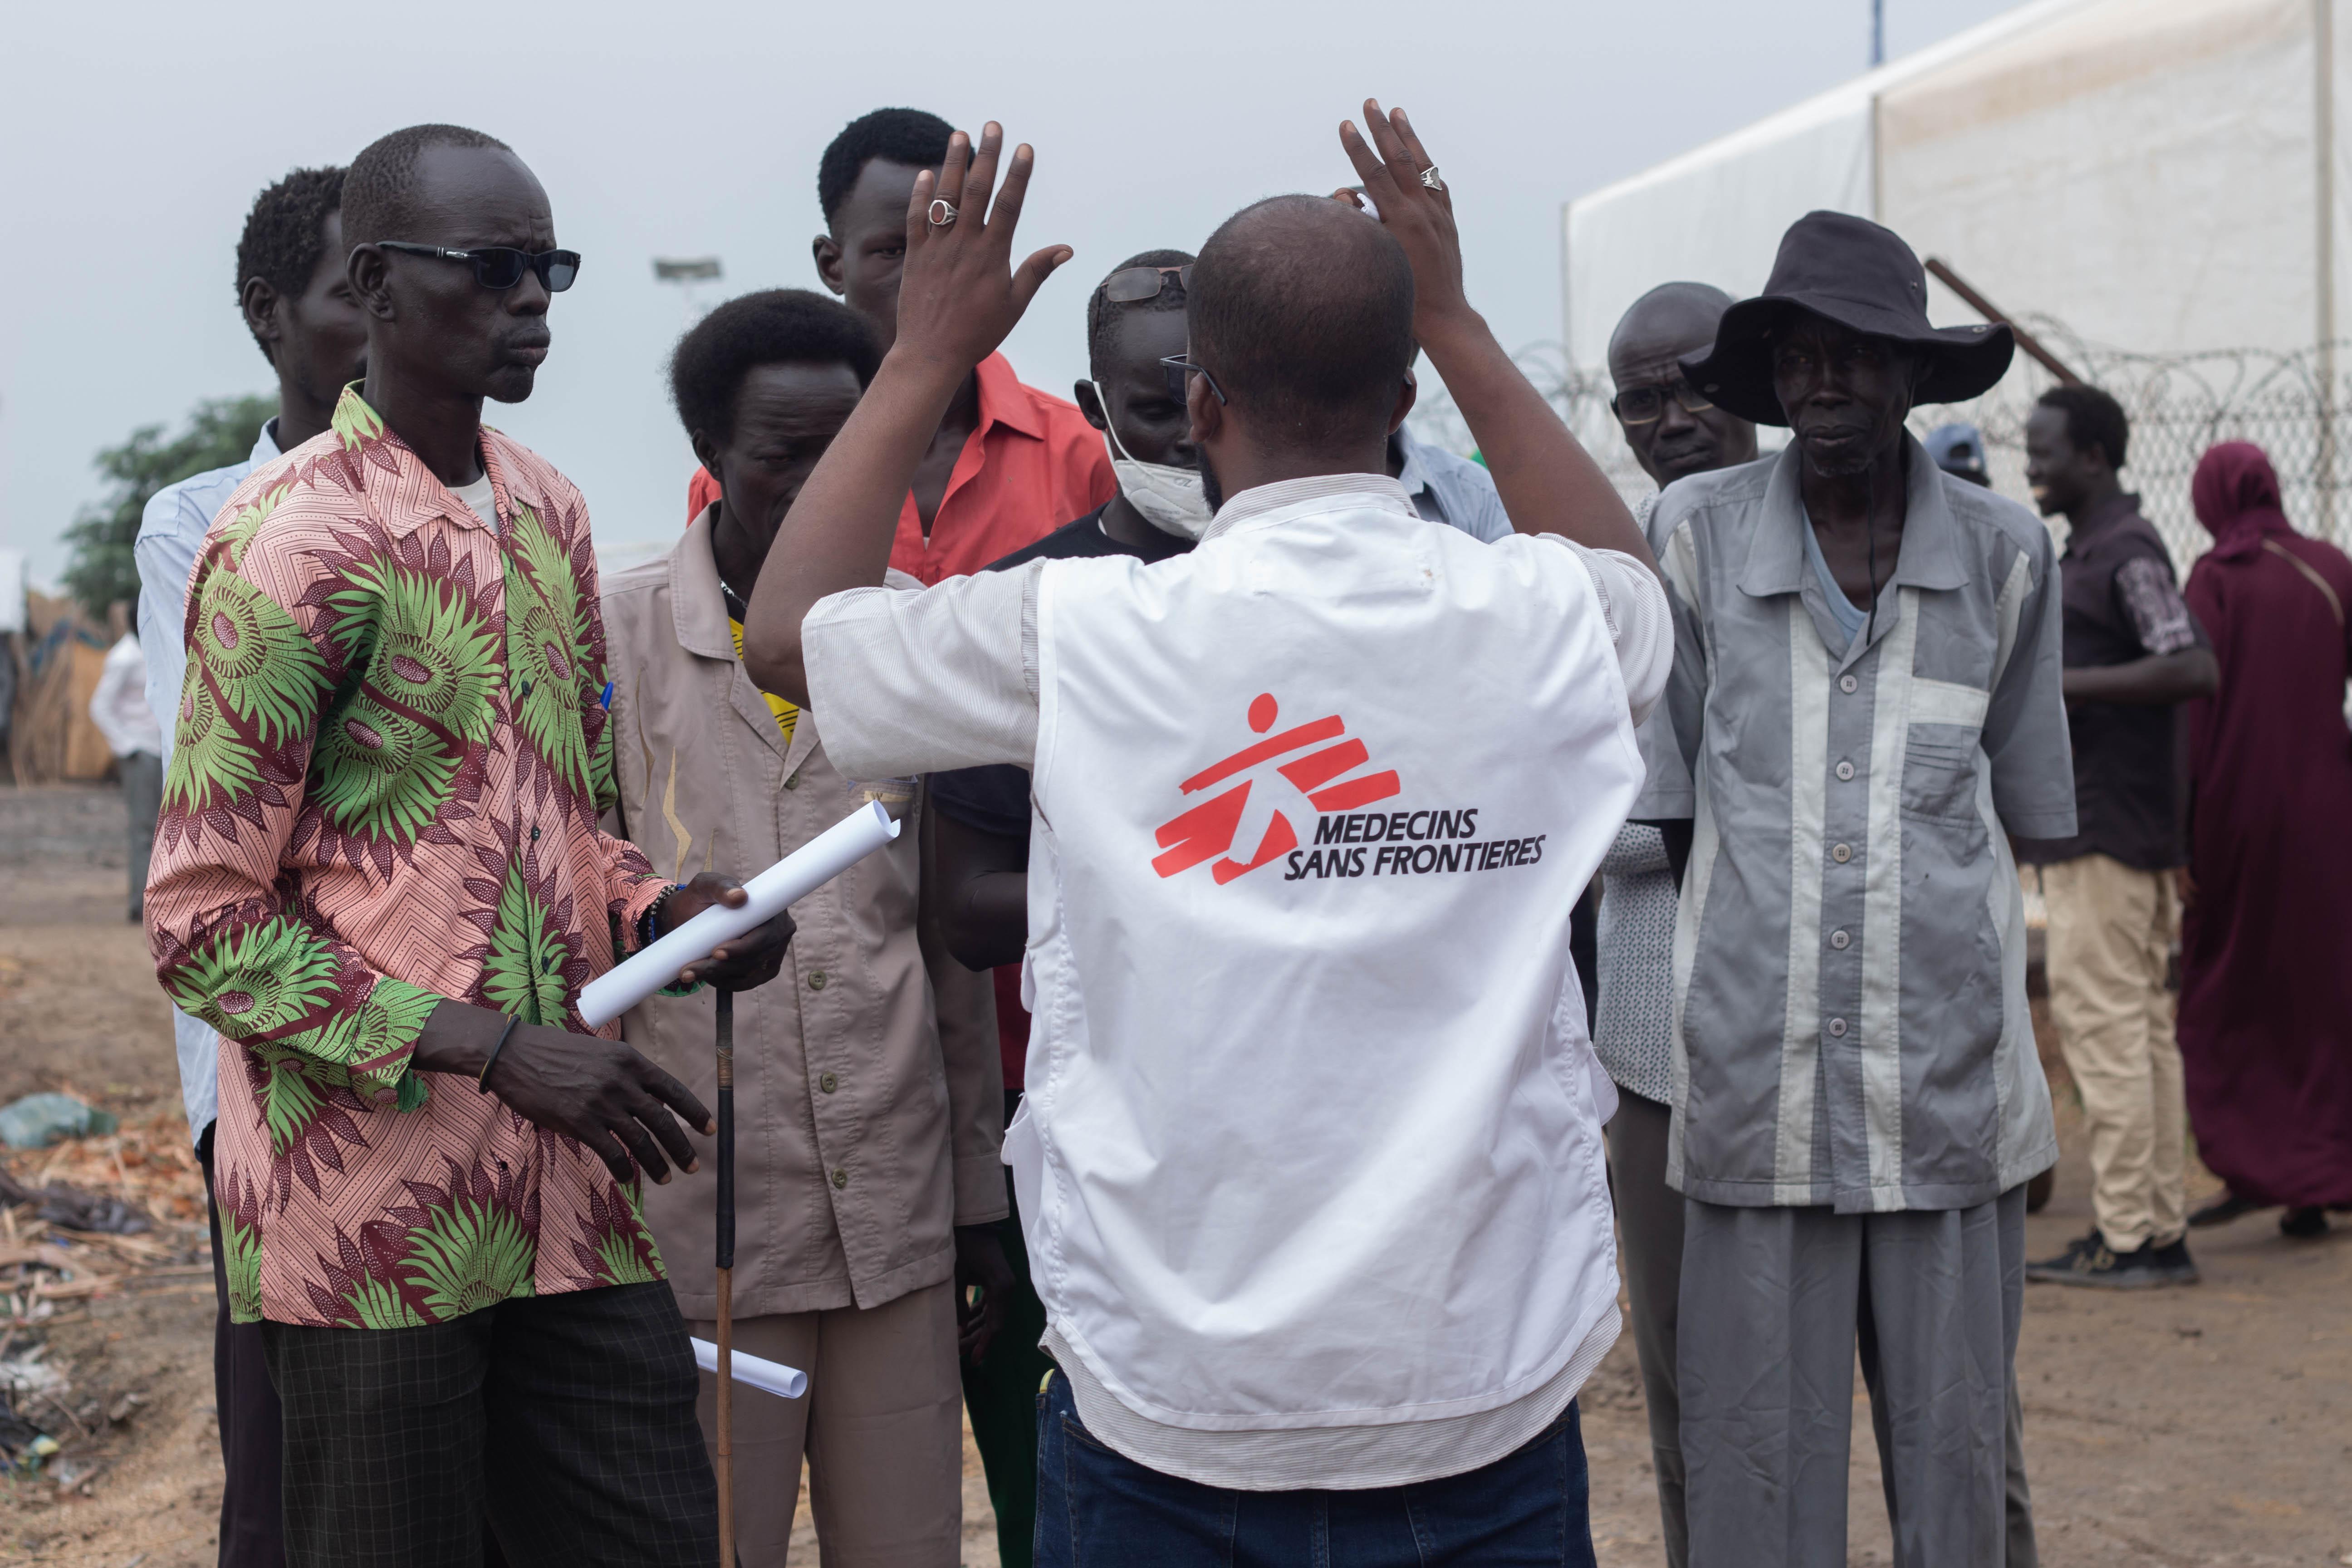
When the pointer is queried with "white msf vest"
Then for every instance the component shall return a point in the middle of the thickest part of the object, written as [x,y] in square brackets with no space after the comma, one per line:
[1312,1131]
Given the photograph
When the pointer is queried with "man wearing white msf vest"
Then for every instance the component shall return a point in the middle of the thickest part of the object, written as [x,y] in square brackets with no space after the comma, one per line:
[1311,804]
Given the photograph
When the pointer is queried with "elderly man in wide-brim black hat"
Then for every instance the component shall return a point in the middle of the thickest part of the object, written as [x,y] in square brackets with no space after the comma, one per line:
[1865,704]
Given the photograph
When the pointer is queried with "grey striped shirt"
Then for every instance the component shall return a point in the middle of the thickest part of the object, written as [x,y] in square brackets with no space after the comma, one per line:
[1850,1020]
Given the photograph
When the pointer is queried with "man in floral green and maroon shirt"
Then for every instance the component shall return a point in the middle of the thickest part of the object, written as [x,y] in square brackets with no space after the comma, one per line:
[378,876]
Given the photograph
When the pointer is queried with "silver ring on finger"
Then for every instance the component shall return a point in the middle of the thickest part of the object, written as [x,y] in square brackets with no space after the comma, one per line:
[941,212]
[1429,177]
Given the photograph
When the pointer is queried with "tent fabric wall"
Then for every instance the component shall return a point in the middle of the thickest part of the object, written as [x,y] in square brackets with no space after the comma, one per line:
[2141,171]
[1715,218]
[1715,215]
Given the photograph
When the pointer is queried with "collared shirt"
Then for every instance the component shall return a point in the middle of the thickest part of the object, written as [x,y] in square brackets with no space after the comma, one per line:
[948,677]
[869,1115]
[119,704]
[1449,488]
[2122,605]
[169,532]
[391,756]
[1849,1013]
[1032,464]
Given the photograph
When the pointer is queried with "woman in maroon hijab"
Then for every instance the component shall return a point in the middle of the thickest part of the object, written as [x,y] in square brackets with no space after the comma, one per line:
[2265,1021]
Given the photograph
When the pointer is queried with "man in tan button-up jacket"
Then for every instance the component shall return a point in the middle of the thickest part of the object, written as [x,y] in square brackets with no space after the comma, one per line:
[868,1095]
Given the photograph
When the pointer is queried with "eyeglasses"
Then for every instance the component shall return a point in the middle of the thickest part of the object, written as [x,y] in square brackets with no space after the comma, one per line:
[1647,405]
[1180,370]
[1138,283]
[501,267]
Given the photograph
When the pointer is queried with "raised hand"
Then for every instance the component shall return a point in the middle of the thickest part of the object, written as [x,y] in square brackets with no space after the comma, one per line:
[1419,215]
[959,293]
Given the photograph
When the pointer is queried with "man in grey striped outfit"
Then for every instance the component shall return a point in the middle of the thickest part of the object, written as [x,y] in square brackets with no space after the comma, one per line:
[1865,704]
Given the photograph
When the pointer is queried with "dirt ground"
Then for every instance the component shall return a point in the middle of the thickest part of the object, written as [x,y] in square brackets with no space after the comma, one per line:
[2206,1426]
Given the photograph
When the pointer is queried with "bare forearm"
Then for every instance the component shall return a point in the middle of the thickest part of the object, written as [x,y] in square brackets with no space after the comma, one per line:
[1548,483]
[458,1038]
[986,920]
[837,535]
[2155,681]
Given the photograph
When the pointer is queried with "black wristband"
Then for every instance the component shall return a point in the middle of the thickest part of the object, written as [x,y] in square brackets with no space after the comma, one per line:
[482,1079]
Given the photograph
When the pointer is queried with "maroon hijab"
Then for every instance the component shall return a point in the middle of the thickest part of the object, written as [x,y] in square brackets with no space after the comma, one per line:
[2236,494]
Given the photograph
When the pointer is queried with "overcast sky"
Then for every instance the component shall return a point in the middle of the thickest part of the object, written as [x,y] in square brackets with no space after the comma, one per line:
[137,134]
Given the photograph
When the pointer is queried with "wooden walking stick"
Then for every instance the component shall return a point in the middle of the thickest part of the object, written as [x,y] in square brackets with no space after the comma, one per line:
[726,1258]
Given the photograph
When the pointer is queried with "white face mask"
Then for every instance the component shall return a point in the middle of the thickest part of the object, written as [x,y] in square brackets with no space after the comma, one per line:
[1169,499]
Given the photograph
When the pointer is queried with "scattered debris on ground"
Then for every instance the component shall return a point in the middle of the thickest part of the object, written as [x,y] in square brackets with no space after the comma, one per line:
[86,1219]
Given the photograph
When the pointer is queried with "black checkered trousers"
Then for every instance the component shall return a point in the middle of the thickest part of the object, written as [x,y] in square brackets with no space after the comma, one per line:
[543,1430]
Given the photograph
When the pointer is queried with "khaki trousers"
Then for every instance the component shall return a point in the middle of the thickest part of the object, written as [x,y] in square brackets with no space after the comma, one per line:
[2110,931]
[882,1425]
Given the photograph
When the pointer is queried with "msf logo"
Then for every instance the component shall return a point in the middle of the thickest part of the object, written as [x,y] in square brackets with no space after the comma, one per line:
[1206,831]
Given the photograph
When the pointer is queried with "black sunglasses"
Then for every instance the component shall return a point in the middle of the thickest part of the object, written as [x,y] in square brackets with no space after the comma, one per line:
[1180,370]
[1647,405]
[501,267]
[1134,284]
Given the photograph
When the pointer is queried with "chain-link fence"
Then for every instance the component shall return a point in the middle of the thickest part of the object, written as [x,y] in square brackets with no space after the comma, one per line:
[2179,405]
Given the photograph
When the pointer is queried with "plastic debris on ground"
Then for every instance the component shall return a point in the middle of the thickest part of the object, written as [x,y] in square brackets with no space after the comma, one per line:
[82,1221]
[37,1120]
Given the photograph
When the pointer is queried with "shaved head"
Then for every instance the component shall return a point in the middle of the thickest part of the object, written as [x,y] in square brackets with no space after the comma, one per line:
[1670,321]
[1301,309]
[1672,431]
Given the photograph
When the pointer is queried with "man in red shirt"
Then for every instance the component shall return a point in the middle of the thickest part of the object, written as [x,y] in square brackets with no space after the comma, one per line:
[1009,464]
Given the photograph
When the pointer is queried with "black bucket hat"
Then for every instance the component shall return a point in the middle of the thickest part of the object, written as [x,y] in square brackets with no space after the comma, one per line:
[1861,276]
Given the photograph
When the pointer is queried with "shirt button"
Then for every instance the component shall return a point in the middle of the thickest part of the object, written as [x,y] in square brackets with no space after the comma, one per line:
[1846,773]
[793,782]
[1837,1028]
[816,981]
[1842,853]
[840,1177]
[1838,940]
[827,1082]
[1846,683]
[525,689]
[534,836]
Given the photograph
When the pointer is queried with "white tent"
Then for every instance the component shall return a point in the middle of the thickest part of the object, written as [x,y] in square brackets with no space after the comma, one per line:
[2145,171]
[2139,177]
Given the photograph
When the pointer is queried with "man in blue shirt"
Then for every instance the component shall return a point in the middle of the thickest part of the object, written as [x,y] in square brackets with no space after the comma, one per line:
[302,314]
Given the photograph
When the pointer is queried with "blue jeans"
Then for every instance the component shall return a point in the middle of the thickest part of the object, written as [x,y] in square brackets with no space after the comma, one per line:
[1099,1507]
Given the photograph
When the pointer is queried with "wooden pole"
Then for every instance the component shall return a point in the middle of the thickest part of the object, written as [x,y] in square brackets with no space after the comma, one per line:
[726,1260]
[1944,274]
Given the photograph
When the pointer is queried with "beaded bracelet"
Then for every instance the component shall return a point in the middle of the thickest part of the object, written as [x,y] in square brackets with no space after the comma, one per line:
[482,1081]
[653,913]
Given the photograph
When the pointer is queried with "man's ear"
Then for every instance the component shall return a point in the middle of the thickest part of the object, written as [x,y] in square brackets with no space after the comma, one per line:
[706,452]
[371,281]
[827,252]
[1208,413]
[1406,396]
[1083,395]
[260,299]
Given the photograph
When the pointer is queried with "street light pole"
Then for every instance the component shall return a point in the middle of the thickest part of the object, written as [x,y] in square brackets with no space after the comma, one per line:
[687,273]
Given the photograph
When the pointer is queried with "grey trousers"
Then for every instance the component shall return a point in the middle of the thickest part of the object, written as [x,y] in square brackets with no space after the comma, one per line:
[1774,1303]
[1650,1231]
[143,802]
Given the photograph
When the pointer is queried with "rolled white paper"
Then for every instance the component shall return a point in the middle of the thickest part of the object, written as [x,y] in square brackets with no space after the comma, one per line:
[789,880]
[774,1376]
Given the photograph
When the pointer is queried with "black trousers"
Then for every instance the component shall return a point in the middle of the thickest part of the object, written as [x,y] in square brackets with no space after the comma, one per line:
[252,1506]
[562,1425]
